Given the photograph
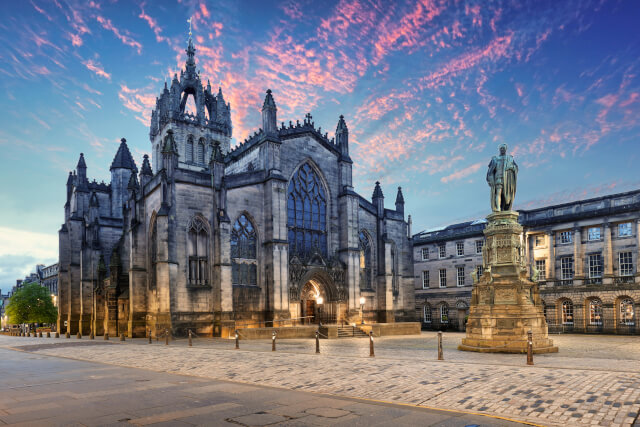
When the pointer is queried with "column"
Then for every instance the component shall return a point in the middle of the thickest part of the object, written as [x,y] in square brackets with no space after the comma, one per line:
[551,256]
[578,257]
[638,246]
[607,251]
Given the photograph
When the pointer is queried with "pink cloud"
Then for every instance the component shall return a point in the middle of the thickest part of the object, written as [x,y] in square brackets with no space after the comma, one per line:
[140,101]
[462,173]
[153,24]
[124,38]
[96,68]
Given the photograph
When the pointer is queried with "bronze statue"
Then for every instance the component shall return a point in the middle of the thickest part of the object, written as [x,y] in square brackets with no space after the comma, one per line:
[502,176]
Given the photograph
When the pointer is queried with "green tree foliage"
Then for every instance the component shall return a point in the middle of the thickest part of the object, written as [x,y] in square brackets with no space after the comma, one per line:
[31,304]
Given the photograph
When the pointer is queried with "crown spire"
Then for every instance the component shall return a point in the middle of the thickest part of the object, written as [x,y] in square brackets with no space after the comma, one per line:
[191,53]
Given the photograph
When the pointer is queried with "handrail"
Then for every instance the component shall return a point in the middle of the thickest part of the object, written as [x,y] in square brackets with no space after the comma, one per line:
[235,322]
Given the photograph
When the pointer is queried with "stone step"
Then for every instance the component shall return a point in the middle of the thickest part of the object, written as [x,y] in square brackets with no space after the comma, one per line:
[350,332]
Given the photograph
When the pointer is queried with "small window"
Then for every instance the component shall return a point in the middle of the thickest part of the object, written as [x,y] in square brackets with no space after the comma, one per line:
[624,229]
[567,312]
[444,313]
[627,313]
[541,266]
[539,240]
[565,237]
[566,267]
[595,312]
[460,248]
[425,253]
[425,280]
[625,260]
[595,266]
[426,313]
[443,278]
[479,271]
[460,276]
[442,250]
[479,245]
[594,233]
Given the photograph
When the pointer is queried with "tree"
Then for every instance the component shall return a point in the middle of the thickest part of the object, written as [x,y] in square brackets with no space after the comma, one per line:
[31,304]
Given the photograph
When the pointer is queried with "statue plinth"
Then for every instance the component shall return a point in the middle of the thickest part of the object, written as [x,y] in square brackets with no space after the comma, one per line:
[505,303]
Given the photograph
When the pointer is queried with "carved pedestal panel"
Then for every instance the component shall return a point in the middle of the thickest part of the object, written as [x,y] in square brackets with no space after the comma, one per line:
[505,303]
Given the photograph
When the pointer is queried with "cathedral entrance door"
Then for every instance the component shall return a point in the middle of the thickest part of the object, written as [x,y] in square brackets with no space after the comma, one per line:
[309,307]
[311,311]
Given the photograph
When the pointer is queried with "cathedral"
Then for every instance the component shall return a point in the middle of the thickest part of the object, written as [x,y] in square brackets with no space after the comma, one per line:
[209,238]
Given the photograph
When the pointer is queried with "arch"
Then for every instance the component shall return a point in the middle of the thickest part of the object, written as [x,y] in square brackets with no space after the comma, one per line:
[244,252]
[426,313]
[565,314]
[443,312]
[366,260]
[461,305]
[200,152]
[395,283]
[625,309]
[307,212]
[189,150]
[198,252]
[153,250]
[594,311]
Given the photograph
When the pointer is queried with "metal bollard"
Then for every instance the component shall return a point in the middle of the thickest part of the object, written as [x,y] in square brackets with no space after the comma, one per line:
[317,342]
[371,352]
[273,341]
[91,336]
[79,335]
[121,336]
[440,355]
[57,334]
[40,334]
[150,337]
[166,337]
[48,334]
[237,340]
[106,336]
[190,343]
[68,335]
[529,348]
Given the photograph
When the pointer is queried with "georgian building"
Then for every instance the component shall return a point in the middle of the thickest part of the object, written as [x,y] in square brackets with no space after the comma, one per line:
[210,238]
[585,256]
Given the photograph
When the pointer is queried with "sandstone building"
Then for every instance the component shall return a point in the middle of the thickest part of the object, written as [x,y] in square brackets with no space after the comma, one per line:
[208,237]
[585,254]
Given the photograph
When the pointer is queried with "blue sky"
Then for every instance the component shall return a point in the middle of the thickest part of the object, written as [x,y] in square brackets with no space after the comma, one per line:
[428,88]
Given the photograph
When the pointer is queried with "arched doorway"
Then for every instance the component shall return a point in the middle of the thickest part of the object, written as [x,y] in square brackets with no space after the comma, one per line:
[312,298]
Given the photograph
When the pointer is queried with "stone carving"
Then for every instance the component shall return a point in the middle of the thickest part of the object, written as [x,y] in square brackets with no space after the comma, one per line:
[502,178]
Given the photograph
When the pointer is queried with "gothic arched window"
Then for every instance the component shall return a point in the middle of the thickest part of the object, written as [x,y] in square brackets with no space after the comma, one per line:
[394,270]
[153,250]
[365,261]
[306,213]
[189,150]
[244,244]
[200,152]
[197,246]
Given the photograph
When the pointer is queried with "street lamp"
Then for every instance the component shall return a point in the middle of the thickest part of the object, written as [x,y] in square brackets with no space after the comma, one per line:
[362,310]
[319,301]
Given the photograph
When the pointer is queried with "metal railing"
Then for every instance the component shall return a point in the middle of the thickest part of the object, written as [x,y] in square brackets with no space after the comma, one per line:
[602,326]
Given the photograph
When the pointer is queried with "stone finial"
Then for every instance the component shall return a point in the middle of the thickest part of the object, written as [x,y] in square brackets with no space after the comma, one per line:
[81,162]
[146,166]
[377,191]
[123,158]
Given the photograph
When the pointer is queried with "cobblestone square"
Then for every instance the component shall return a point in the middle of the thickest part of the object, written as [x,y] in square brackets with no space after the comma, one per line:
[594,380]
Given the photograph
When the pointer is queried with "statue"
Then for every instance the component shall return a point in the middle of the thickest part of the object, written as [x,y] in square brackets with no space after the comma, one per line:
[501,177]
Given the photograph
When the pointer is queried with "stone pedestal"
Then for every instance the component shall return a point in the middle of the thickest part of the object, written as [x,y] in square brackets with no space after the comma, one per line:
[505,303]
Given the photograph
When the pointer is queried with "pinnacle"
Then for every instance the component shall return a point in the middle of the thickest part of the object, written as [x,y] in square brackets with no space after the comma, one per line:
[123,158]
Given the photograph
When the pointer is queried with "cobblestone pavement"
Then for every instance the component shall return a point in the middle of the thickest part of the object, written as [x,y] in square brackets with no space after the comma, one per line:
[39,390]
[594,380]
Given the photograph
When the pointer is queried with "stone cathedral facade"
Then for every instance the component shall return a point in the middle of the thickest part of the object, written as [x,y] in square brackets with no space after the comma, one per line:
[210,238]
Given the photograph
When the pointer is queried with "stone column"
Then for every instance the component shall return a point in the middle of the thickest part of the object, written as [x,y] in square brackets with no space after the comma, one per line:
[638,247]
[607,252]
[578,257]
[551,267]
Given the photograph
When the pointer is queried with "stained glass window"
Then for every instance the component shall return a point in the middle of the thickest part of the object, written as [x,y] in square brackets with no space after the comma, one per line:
[365,261]
[197,244]
[306,214]
[244,266]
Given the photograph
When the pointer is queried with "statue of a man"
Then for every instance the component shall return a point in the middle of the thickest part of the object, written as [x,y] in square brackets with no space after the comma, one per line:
[502,176]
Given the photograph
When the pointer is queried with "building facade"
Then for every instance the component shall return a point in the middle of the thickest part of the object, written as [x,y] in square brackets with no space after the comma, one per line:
[212,238]
[583,254]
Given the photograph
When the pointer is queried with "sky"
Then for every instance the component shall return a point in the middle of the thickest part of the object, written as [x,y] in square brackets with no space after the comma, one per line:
[428,88]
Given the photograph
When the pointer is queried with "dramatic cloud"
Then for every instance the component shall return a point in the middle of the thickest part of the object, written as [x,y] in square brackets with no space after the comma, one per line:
[96,68]
[122,35]
[462,173]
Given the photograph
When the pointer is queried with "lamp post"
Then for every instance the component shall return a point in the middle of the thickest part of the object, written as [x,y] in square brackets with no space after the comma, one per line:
[319,301]
[362,310]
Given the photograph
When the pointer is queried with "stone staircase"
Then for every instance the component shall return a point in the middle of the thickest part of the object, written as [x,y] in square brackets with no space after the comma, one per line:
[351,332]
